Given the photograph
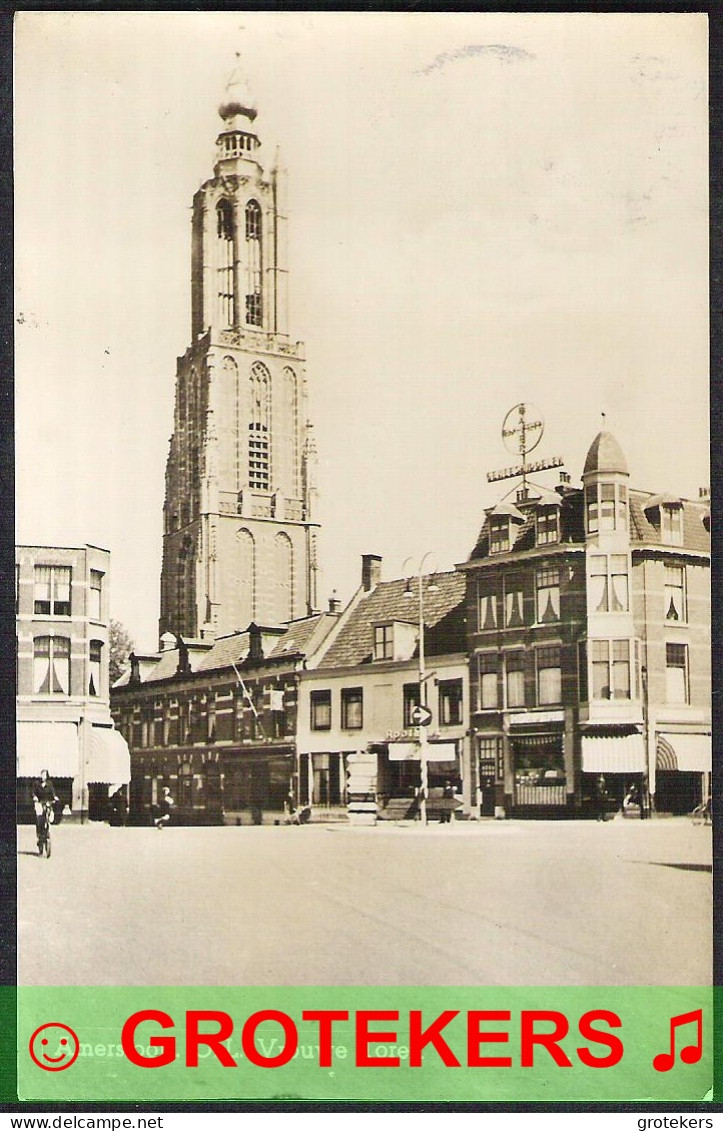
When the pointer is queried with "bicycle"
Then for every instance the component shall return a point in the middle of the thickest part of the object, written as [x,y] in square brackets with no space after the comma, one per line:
[44,843]
[702,814]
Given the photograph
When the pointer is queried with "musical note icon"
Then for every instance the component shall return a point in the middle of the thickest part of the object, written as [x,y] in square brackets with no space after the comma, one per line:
[664,1061]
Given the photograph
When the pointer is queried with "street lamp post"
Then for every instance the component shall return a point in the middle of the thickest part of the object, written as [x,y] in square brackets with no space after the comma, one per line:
[424,711]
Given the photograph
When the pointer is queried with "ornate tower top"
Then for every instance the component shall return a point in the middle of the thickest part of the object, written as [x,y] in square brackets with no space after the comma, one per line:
[238,140]
[237,100]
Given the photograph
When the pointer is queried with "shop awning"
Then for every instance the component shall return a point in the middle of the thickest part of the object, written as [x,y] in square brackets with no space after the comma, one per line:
[110,759]
[613,754]
[409,752]
[47,746]
[683,752]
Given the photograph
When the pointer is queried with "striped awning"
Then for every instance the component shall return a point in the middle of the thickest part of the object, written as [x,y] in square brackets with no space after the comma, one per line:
[47,746]
[110,759]
[686,752]
[613,754]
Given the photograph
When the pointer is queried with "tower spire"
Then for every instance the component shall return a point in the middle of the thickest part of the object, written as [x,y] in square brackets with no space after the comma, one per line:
[237,98]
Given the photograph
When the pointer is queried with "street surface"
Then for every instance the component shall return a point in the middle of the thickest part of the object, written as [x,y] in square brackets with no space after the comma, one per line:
[627,902]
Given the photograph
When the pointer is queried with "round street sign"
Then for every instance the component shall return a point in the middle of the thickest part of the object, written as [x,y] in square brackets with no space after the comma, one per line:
[421,716]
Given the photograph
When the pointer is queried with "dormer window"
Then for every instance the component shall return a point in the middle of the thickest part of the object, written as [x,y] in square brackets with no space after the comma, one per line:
[666,512]
[384,642]
[548,525]
[395,640]
[671,524]
[499,534]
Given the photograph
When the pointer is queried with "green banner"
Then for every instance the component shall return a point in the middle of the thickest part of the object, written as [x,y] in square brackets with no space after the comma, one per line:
[462,1044]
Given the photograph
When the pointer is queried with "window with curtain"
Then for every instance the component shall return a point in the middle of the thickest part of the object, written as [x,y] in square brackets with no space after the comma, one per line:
[675,593]
[548,595]
[487,610]
[514,608]
[320,710]
[52,591]
[549,675]
[609,583]
[488,665]
[51,665]
[515,675]
[352,703]
[96,655]
[671,524]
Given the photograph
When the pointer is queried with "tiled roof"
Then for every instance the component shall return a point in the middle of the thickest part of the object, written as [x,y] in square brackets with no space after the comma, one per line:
[443,619]
[695,535]
[298,636]
[225,651]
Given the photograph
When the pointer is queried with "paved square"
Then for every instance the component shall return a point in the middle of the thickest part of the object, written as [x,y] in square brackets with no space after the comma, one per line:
[495,903]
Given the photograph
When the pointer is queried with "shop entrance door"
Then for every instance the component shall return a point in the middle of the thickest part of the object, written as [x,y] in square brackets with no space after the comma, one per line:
[487,795]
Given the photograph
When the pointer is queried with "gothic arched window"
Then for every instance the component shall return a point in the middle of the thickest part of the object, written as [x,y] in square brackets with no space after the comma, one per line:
[283,577]
[245,578]
[259,458]
[254,302]
[225,234]
[291,409]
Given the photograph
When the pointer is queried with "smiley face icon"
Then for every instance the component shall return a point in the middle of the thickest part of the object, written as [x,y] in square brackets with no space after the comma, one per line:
[54,1046]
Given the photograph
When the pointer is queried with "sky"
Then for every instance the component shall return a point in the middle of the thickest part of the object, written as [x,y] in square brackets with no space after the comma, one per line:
[485,209]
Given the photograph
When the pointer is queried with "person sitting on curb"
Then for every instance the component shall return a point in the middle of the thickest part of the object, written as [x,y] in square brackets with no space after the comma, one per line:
[165,805]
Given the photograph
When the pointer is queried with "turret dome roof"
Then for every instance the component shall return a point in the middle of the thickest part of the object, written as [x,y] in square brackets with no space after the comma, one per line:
[605,455]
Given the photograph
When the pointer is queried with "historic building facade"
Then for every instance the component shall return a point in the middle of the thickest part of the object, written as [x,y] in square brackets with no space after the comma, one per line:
[216,723]
[358,733]
[239,536]
[64,723]
[588,614]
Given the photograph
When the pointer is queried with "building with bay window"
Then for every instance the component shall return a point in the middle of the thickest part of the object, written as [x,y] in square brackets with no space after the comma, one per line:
[63,696]
[588,617]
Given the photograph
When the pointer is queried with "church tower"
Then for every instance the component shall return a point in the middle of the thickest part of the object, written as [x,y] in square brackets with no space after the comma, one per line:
[239,537]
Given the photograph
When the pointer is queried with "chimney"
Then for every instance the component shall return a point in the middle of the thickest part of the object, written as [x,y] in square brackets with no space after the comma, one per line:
[371,571]
[256,648]
[334,603]
[703,493]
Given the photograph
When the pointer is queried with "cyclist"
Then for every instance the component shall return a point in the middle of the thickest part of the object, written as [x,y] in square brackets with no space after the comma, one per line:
[43,795]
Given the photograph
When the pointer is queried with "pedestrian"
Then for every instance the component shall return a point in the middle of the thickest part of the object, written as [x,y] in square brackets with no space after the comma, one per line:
[165,806]
[43,794]
[602,799]
[631,799]
[292,815]
[447,803]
